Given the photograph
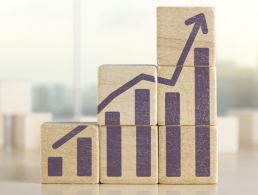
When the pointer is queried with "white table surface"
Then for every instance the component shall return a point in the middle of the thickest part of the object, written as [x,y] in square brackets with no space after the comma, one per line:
[19,174]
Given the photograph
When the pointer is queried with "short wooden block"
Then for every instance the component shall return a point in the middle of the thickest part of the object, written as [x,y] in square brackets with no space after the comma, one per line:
[129,154]
[228,134]
[248,126]
[187,154]
[69,153]
[15,97]
[130,91]
[185,31]
[191,101]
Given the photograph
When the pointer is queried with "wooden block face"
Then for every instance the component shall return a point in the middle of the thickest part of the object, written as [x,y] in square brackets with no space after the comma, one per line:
[228,134]
[129,154]
[187,154]
[26,130]
[130,91]
[187,30]
[15,97]
[191,101]
[69,153]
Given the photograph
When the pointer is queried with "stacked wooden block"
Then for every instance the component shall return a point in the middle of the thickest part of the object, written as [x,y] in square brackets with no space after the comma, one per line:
[155,124]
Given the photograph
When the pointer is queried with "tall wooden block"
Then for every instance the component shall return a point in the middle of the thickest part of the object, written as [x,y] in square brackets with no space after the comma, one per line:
[129,154]
[187,154]
[130,90]
[228,134]
[15,97]
[191,101]
[248,126]
[69,153]
[26,130]
[185,36]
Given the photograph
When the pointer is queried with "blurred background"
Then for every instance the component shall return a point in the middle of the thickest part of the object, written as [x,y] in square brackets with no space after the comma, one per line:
[51,50]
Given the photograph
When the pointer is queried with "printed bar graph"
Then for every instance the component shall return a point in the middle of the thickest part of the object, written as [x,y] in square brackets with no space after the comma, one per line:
[55,166]
[142,107]
[172,108]
[143,151]
[114,144]
[84,156]
[202,151]
[201,56]
[173,151]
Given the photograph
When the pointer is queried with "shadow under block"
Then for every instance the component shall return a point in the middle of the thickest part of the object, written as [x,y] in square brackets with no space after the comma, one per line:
[69,153]
[131,91]
[129,154]
[192,101]
[173,33]
[228,134]
[15,97]
[26,130]
[187,154]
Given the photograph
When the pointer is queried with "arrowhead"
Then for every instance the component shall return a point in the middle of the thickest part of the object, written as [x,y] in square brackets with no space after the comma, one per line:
[199,20]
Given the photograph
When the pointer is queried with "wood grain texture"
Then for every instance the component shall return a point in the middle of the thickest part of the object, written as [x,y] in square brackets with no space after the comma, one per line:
[50,133]
[188,158]
[111,77]
[173,33]
[26,130]
[186,87]
[131,147]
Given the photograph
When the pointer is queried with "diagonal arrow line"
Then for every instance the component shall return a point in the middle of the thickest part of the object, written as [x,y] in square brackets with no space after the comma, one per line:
[199,21]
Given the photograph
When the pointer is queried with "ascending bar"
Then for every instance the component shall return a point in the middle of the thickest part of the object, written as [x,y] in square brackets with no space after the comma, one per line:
[142,107]
[113,144]
[143,151]
[55,166]
[172,109]
[84,156]
[202,151]
[202,87]
[173,150]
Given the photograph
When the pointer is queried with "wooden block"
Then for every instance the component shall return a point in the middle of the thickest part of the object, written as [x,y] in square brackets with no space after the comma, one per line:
[129,154]
[128,189]
[187,154]
[26,130]
[228,134]
[15,97]
[248,126]
[69,153]
[192,99]
[129,90]
[185,36]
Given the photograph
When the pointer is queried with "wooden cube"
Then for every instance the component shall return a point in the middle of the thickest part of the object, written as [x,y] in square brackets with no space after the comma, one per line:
[187,154]
[131,91]
[228,134]
[26,130]
[129,154]
[15,97]
[128,189]
[69,153]
[185,36]
[191,101]
[248,126]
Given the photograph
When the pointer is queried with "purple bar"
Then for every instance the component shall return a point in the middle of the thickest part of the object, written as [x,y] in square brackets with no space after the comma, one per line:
[84,156]
[201,56]
[143,151]
[173,150]
[112,118]
[202,96]
[172,109]
[55,166]
[142,106]
[114,151]
[202,151]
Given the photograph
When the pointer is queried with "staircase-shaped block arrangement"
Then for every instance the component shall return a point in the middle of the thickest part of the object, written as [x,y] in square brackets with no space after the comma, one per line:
[157,124]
